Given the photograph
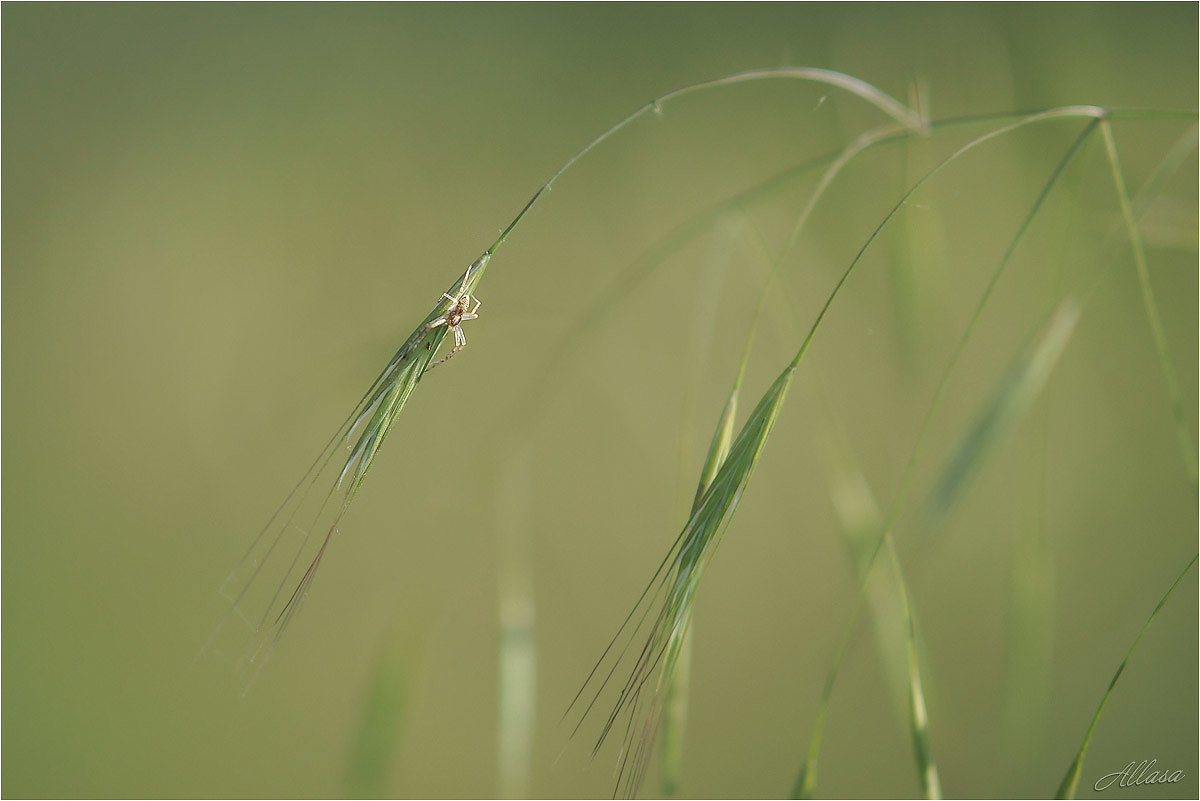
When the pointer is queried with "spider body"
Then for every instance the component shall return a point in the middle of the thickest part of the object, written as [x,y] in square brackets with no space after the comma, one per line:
[459,312]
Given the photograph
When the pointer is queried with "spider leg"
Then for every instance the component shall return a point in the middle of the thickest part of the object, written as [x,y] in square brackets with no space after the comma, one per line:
[435,323]
[460,342]
[475,311]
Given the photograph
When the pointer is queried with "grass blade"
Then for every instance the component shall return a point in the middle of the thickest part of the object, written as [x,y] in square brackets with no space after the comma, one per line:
[806,779]
[379,731]
[716,500]
[1070,782]
[1008,404]
[1184,439]
[918,718]
[895,626]
[678,575]
[517,657]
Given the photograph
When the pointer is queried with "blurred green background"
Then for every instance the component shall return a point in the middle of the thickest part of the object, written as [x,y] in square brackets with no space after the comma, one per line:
[221,220]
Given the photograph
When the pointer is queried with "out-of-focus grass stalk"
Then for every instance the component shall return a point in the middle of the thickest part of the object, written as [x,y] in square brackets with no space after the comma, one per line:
[1184,440]
[709,284]
[1130,210]
[378,734]
[805,784]
[1032,602]
[516,608]
[1008,404]
[891,611]
[675,709]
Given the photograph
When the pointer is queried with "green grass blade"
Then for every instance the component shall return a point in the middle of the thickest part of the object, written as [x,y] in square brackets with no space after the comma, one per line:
[675,708]
[677,577]
[1008,404]
[375,743]
[927,772]
[873,96]
[1070,782]
[806,779]
[805,783]
[517,611]
[719,490]
[1028,692]
[530,406]
[895,626]
[1184,439]
[699,538]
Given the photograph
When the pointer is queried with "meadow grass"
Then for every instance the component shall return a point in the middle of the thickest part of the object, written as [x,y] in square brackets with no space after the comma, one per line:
[647,662]
[657,664]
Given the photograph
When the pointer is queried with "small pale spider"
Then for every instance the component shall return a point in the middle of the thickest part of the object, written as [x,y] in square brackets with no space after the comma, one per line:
[458,313]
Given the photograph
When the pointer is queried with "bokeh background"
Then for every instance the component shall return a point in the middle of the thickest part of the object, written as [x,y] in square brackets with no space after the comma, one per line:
[219,222]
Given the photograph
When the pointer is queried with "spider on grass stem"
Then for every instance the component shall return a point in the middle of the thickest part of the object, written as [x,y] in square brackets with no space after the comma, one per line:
[458,313]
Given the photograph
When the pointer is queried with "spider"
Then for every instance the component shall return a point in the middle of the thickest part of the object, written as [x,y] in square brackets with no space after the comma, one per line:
[454,317]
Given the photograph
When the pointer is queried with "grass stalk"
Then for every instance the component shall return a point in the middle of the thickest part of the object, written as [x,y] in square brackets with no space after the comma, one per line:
[1070,782]
[1184,439]
[267,599]
[806,779]
[705,527]
[516,607]
[304,527]
[379,730]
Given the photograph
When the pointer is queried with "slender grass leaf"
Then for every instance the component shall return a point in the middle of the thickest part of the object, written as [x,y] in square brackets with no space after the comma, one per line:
[806,779]
[895,625]
[675,708]
[517,657]
[1007,405]
[1070,782]
[378,735]
[1184,439]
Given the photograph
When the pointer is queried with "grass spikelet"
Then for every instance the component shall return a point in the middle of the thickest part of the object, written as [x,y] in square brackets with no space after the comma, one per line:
[269,584]
[675,702]
[677,579]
